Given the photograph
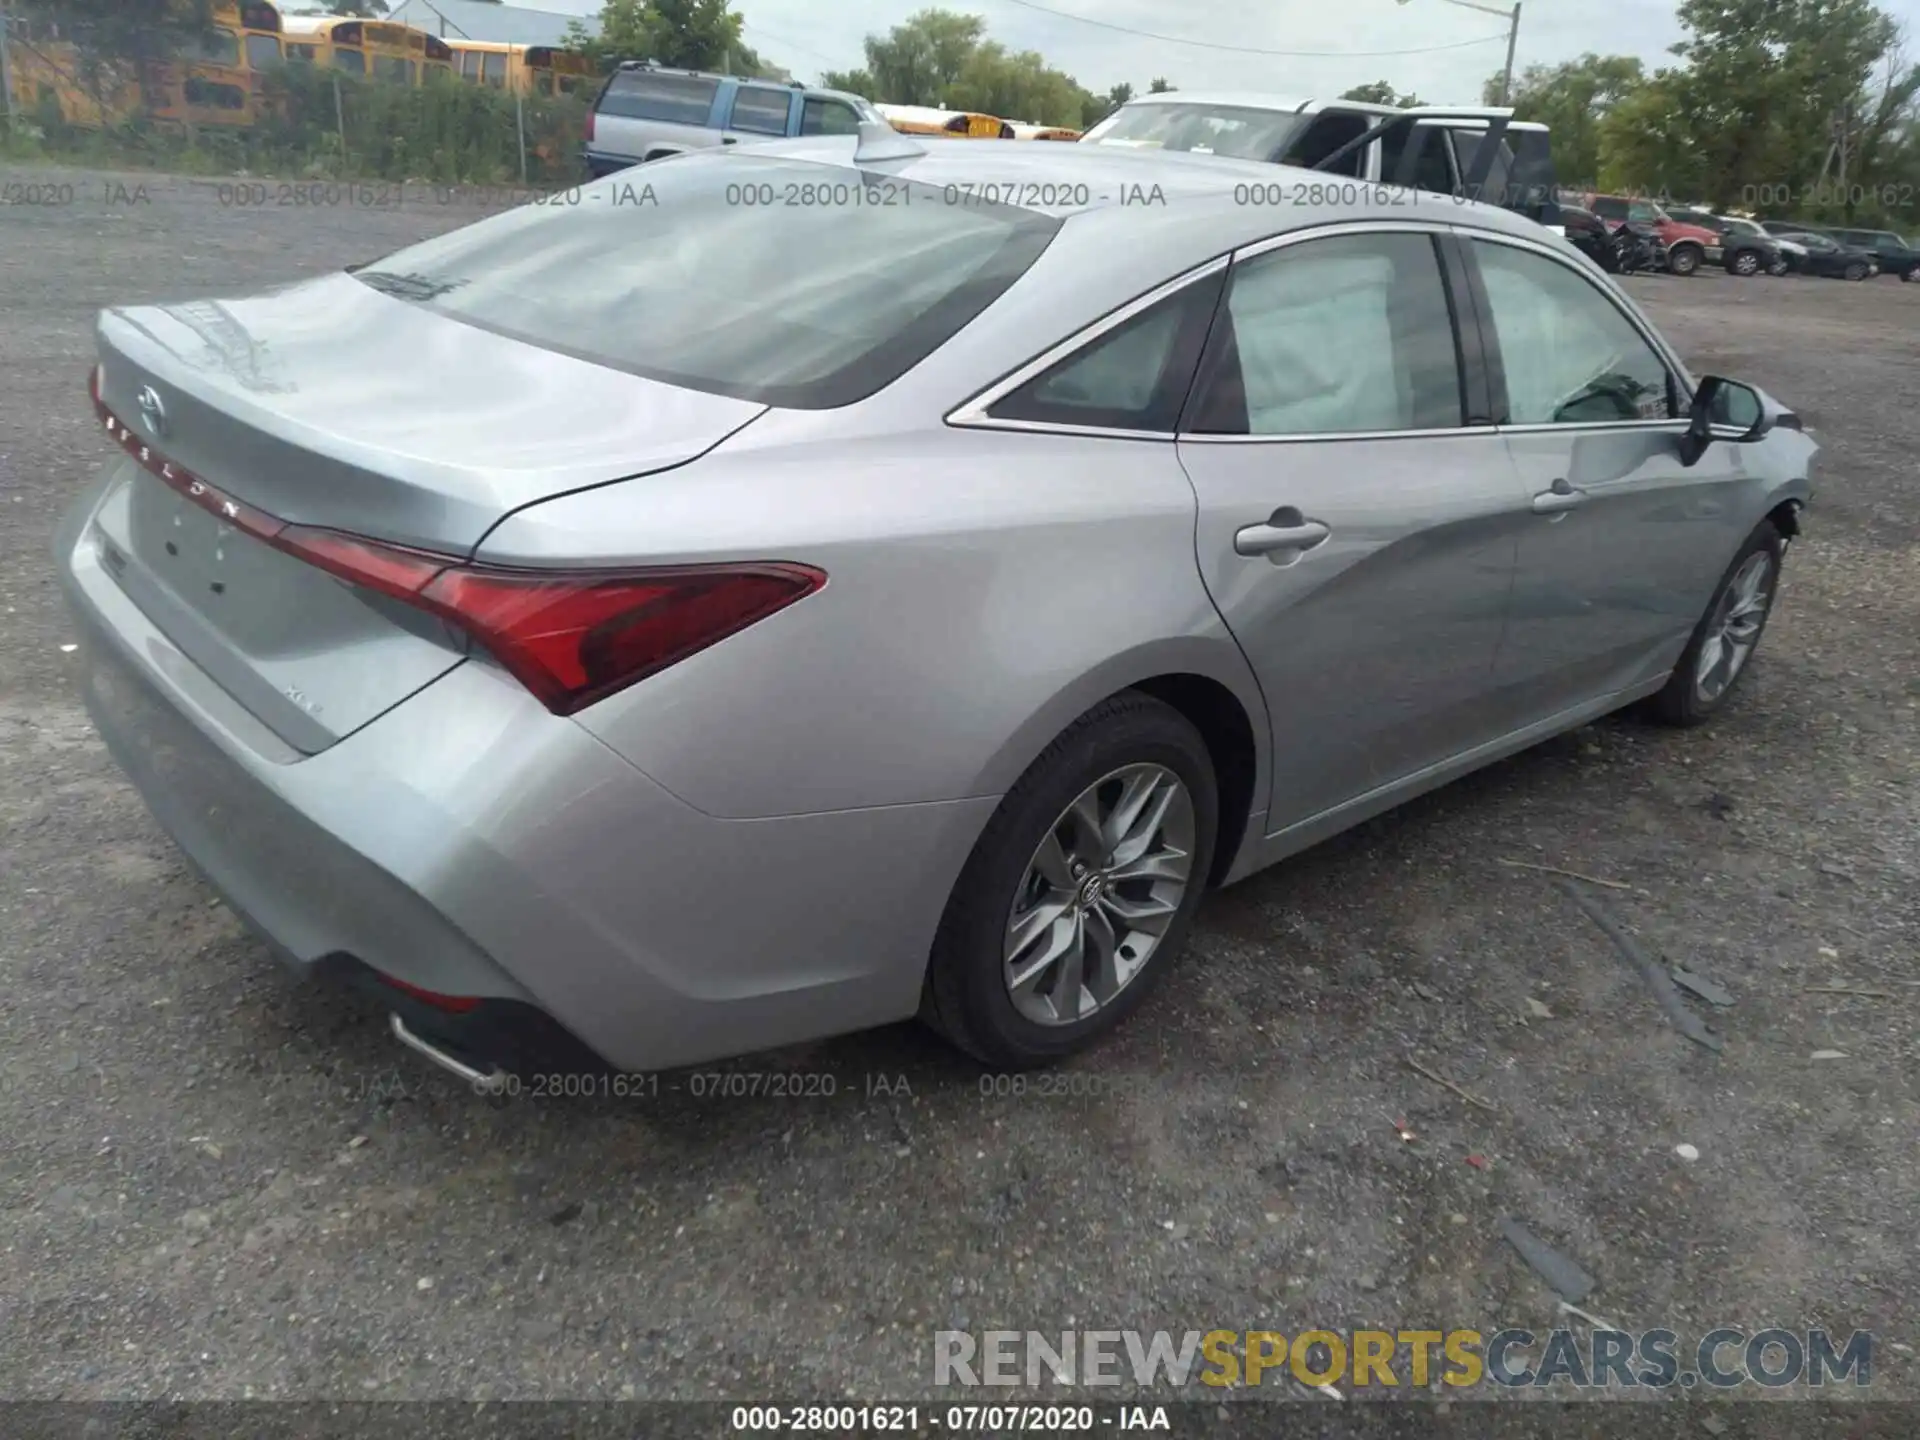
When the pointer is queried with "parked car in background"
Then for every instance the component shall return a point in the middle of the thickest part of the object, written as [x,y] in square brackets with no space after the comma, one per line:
[1894,254]
[833,650]
[1688,246]
[1788,253]
[1436,148]
[1827,256]
[645,113]
[1742,251]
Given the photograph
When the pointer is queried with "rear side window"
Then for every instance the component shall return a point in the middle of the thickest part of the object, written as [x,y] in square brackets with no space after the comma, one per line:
[1351,333]
[649,95]
[822,116]
[761,109]
[1135,377]
[809,307]
[1492,187]
[1607,207]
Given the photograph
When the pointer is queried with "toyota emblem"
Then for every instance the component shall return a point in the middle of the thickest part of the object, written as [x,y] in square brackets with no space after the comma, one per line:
[154,411]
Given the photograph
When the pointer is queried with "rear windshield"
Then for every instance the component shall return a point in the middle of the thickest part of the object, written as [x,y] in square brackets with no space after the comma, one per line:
[1244,133]
[713,274]
[648,95]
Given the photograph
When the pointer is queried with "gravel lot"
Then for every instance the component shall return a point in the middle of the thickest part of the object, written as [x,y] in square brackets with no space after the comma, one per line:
[219,1184]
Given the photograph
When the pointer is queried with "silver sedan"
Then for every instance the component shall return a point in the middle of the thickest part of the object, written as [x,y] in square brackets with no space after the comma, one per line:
[781,591]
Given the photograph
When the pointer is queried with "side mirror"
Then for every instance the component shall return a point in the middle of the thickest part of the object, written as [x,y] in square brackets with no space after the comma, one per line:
[1721,406]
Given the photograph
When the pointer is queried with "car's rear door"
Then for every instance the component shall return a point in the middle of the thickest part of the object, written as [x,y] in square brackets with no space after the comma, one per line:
[1625,543]
[1358,517]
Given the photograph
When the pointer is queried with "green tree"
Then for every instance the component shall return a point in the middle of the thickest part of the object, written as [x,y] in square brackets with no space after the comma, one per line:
[1572,99]
[918,61]
[1119,95]
[1768,81]
[1649,141]
[854,82]
[1379,92]
[681,34]
[1159,86]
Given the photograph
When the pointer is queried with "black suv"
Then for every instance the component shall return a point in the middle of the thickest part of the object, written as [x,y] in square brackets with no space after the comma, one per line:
[1744,249]
[1894,252]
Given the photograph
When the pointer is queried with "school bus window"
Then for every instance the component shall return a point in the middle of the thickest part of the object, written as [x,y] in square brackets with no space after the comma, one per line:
[395,68]
[571,84]
[439,67]
[496,71]
[263,52]
[354,62]
[217,46]
[209,95]
[302,54]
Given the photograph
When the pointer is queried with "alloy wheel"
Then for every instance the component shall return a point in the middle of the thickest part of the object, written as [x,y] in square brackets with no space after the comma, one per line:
[1098,895]
[1739,615]
[1746,263]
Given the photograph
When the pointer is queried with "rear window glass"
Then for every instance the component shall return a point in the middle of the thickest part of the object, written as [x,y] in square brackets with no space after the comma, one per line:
[647,95]
[691,282]
[1245,133]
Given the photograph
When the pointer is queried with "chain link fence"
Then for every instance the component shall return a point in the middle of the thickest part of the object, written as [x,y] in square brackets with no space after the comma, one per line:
[292,121]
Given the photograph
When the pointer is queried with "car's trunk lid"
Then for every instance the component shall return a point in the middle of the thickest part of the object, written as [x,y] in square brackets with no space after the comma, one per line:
[333,406]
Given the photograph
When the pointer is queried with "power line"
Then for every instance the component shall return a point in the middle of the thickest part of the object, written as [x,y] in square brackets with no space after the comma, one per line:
[1254,49]
[791,44]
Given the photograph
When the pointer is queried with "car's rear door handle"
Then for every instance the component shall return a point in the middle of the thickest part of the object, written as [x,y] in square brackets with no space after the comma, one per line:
[1286,530]
[1559,497]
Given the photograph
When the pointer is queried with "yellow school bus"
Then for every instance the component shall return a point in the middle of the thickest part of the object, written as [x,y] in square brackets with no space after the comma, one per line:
[523,69]
[378,49]
[215,82]
[925,120]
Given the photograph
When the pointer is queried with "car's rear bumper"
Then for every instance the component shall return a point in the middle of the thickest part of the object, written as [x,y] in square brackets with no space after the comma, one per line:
[471,844]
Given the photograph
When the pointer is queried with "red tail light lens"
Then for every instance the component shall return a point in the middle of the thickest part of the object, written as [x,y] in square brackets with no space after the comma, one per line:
[574,638]
[570,636]
[589,129]
[452,1004]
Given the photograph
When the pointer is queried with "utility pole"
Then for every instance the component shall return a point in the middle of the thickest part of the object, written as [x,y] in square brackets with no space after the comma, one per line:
[1513,39]
[6,70]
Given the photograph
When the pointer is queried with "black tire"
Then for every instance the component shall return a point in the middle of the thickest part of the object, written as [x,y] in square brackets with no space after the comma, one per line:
[1779,266]
[1745,263]
[1911,274]
[1685,258]
[1856,271]
[1681,702]
[965,996]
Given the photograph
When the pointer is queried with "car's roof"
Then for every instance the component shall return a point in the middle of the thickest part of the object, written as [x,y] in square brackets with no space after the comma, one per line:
[1266,100]
[1125,184]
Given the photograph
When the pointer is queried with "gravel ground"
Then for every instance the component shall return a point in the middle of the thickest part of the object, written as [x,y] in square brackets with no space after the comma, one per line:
[219,1184]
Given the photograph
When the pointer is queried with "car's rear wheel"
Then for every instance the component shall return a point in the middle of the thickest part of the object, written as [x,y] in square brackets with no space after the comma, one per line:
[1744,262]
[1779,265]
[1911,274]
[1856,271]
[1727,635]
[1080,892]
[1685,259]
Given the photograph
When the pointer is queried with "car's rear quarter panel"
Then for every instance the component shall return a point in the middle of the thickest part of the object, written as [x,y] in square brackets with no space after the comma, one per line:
[984,589]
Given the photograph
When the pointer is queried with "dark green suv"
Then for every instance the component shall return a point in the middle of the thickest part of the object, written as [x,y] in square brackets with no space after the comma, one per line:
[1895,254]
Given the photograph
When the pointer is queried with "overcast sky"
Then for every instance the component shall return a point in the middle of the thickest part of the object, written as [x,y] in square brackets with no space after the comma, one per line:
[808,36]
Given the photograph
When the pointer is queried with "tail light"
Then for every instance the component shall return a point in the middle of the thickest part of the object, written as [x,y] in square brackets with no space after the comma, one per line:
[452,1004]
[589,129]
[570,636]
